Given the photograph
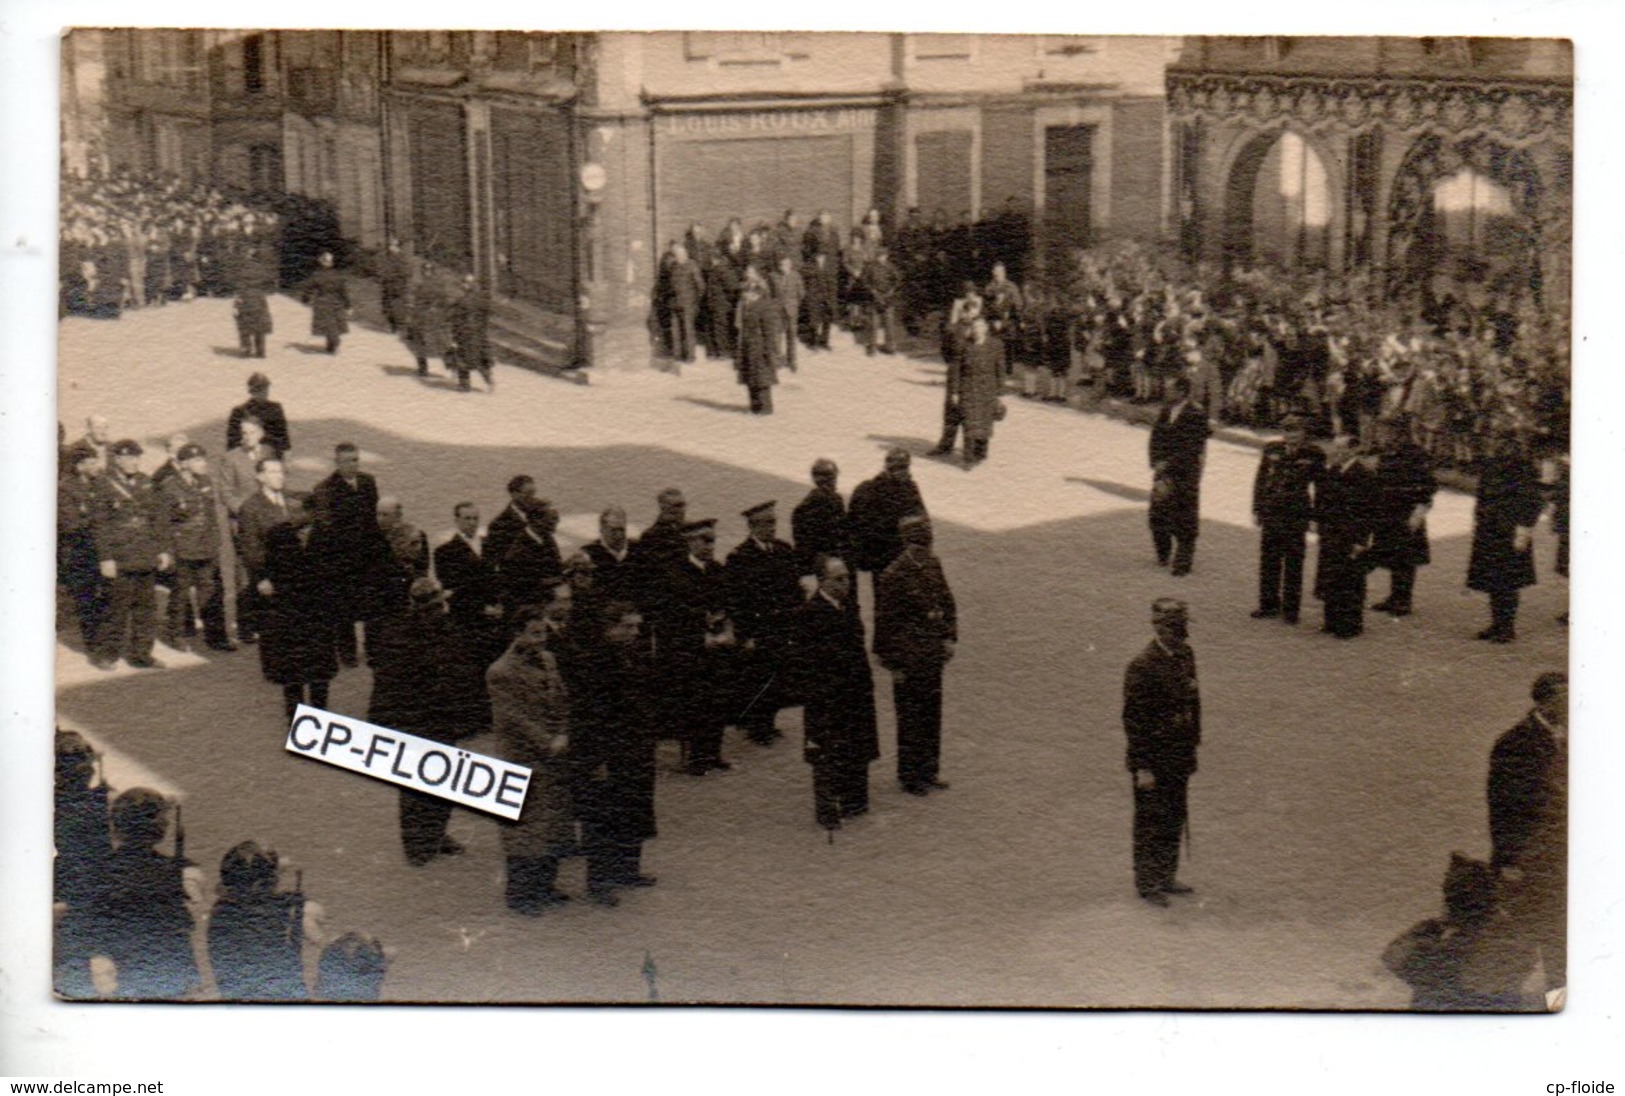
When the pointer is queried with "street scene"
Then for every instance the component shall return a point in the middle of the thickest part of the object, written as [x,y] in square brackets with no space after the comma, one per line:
[1176,470]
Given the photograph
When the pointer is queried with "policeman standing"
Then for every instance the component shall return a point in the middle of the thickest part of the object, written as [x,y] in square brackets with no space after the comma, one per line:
[132,545]
[764,591]
[1283,504]
[1162,716]
[916,628]
[191,509]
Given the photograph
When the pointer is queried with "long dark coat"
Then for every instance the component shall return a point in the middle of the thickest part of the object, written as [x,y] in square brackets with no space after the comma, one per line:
[296,640]
[1508,497]
[835,683]
[979,387]
[818,527]
[471,327]
[423,681]
[756,357]
[140,921]
[255,948]
[877,505]
[1343,515]
[612,743]
[1404,481]
[328,295]
[429,319]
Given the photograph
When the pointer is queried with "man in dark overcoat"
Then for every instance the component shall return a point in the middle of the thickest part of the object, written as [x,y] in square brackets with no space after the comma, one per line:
[1162,717]
[296,629]
[465,572]
[1508,504]
[884,285]
[1283,505]
[1178,449]
[78,567]
[191,511]
[818,525]
[838,693]
[685,293]
[510,522]
[394,284]
[1528,807]
[254,275]
[764,591]
[1343,510]
[756,358]
[612,747]
[347,529]
[820,280]
[877,506]
[722,283]
[470,332]
[532,565]
[424,684]
[258,514]
[328,295]
[693,639]
[1404,488]
[980,383]
[916,629]
[788,292]
[662,545]
[132,546]
[428,331]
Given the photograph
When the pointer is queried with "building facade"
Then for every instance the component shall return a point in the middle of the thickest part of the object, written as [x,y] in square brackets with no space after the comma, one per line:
[1411,158]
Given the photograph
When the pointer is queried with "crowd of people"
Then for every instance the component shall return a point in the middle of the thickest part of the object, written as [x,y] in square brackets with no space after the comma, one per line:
[1453,357]
[132,240]
[577,664]
[118,899]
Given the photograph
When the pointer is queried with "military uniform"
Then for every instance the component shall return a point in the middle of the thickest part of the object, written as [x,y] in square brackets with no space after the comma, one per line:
[191,510]
[915,621]
[128,521]
[1283,504]
[76,559]
[1178,446]
[1162,718]
[764,589]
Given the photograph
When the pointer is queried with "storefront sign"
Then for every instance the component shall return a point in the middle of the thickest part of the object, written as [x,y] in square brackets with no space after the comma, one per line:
[770,122]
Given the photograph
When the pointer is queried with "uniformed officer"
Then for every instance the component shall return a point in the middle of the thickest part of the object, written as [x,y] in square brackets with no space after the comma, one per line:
[1178,447]
[764,590]
[132,546]
[1283,505]
[693,638]
[194,530]
[77,565]
[1162,716]
[916,628]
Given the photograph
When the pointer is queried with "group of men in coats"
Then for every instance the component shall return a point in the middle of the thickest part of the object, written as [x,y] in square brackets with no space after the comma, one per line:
[437,317]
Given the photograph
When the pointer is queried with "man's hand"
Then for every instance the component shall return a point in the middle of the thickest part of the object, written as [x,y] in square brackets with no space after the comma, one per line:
[1417,518]
[265,588]
[558,745]
[1511,874]
[1144,780]
[1522,538]
[165,561]
[109,568]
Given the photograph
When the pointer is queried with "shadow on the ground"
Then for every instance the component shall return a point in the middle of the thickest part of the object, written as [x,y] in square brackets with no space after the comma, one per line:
[917,446]
[228,352]
[715,405]
[1112,487]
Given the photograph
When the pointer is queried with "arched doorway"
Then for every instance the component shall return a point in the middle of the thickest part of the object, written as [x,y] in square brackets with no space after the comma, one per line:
[1462,220]
[1278,204]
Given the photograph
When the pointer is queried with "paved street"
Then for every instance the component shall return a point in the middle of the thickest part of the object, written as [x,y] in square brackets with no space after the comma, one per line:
[1335,777]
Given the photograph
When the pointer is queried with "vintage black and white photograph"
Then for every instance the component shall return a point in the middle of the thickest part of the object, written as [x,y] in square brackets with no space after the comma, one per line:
[937,519]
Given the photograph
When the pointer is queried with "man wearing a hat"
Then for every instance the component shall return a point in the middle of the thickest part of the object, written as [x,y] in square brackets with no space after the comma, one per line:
[191,510]
[77,565]
[1162,717]
[1528,807]
[259,405]
[878,505]
[132,545]
[764,591]
[916,628]
[693,637]
[818,524]
[1283,504]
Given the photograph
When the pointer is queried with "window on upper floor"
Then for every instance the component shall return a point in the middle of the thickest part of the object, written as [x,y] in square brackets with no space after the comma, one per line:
[942,47]
[745,47]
